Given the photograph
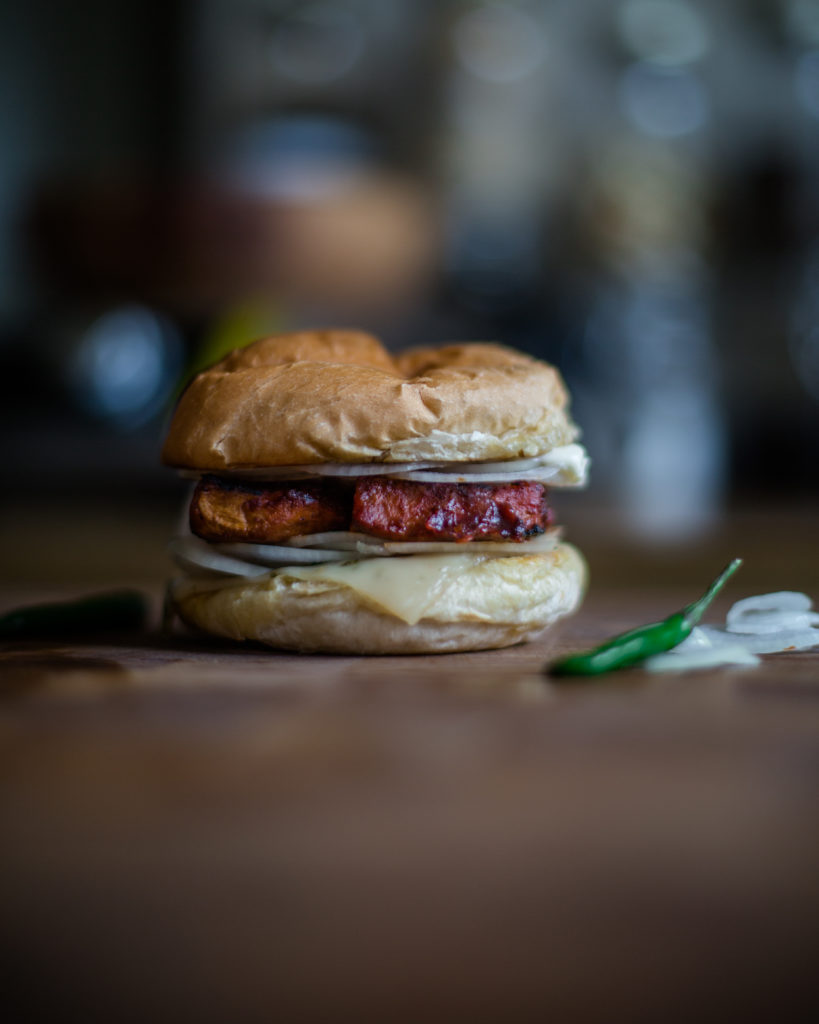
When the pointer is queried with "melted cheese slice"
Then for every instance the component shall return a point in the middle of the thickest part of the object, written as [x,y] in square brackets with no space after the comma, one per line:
[405,587]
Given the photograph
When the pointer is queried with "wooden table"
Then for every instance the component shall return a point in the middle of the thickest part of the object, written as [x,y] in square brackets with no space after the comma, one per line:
[195,831]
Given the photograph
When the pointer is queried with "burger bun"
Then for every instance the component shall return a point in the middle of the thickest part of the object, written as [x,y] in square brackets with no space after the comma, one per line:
[494,602]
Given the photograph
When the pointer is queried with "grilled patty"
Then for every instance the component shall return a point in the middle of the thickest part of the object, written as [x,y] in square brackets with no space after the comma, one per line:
[388,509]
[223,510]
[405,510]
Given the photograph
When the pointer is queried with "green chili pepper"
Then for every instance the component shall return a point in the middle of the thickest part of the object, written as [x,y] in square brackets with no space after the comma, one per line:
[115,610]
[637,644]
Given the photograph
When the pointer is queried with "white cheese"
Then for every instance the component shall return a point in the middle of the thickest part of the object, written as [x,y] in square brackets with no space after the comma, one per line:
[405,587]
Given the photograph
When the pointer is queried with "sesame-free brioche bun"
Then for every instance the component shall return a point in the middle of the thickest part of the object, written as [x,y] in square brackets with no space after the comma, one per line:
[334,400]
[494,603]
[338,396]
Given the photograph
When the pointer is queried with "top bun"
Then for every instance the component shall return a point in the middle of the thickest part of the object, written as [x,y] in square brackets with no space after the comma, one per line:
[339,396]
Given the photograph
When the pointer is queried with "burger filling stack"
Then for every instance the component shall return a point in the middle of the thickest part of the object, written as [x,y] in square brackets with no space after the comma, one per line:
[352,501]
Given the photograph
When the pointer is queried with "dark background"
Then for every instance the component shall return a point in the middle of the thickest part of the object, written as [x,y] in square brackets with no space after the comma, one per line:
[626,188]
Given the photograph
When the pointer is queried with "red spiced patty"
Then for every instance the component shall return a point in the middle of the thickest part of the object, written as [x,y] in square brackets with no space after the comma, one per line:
[223,510]
[405,510]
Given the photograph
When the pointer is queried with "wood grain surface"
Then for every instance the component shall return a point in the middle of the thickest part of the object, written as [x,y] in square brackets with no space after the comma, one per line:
[196,831]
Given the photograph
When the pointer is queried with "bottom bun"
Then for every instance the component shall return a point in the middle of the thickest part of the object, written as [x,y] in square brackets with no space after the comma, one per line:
[494,602]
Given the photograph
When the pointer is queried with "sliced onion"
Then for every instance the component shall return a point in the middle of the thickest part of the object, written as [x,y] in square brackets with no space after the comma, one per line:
[237,559]
[764,643]
[774,622]
[561,457]
[340,469]
[501,466]
[699,658]
[715,638]
[544,542]
[763,624]
[353,469]
[276,555]
[569,460]
[780,600]
[566,466]
[340,540]
[359,542]
[195,557]
[538,474]
[786,640]
[697,638]
[768,613]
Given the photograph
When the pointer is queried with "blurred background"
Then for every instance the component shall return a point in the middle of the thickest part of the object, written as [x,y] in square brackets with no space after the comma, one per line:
[628,188]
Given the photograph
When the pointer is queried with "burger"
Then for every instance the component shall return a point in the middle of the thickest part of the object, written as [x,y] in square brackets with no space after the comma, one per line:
[348,500]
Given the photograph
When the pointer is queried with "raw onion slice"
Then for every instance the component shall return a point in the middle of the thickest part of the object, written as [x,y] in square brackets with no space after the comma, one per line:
[245,559]
[538,474]
[277,556]
[561,457]
[566,466]
[339,469]
[699,658]
[249,560]
[543,542]
[340,540]
[354,469]
[197,558]
[360,542]
[763,624]
[774,643]
[770,613]
[568,462]
[714,638]
[773,622]
[697,638]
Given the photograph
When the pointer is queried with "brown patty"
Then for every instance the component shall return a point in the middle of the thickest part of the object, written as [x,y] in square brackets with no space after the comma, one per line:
[224,511]
[405,510]
[380,507]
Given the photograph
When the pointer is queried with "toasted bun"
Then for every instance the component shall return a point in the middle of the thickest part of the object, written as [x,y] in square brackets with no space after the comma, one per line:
[495,603]
[339,396]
